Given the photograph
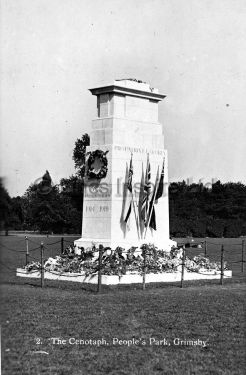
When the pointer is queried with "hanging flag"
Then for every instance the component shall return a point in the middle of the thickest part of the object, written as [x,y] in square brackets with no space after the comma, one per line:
[146,194]
[140,200]
[128,204]
[152,218]
[161,183]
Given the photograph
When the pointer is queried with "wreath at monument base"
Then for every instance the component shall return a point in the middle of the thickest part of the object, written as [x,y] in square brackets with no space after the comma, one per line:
[121,262]
[102,172]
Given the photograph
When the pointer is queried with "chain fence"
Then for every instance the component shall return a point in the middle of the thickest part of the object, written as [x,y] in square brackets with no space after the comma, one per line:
[216,251]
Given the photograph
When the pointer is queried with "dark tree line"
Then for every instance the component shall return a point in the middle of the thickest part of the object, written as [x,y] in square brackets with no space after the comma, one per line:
[202,212]
[195,210]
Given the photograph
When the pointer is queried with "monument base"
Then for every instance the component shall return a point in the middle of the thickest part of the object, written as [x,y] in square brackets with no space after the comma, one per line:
[125,279]
[88,243]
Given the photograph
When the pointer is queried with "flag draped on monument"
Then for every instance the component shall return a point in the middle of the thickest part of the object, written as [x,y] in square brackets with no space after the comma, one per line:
[156,194]
[129,200]
[146,194]
[140,201]
[151,213]
[161,183]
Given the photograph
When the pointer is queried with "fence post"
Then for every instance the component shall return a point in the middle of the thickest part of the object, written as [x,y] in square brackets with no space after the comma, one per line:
[183,266]
[222,265]
[205,249]
[144,267]
[27,251]
[62,245]
[99,286]
[42,264]
[242,267]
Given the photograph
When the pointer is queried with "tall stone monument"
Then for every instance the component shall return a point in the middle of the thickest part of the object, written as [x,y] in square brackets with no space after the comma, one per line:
[126,154]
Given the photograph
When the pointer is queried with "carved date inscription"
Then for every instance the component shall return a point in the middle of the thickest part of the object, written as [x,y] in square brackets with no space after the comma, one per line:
[96,209]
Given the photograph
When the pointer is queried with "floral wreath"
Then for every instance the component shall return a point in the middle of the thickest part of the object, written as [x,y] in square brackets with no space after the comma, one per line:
[102,173]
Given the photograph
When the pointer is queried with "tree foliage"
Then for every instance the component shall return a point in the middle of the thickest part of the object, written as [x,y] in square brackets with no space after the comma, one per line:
[43,211]
[195,210]
[45,207]
[198,211]
[79,154]
[72,190]
[5,206]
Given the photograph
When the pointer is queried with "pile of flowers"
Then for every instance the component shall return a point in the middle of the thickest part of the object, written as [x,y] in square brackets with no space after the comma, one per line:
[33,266]
[202,263]
[120,262]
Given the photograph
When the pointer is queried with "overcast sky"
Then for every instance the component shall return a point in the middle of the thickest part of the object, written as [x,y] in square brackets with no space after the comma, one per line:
[53,51]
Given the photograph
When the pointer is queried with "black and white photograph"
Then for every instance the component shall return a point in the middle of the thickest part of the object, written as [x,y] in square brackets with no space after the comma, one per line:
[123,187]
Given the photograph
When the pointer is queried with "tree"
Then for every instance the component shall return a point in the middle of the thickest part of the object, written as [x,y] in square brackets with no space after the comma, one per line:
[5,206]
[71,191]
[16,213]
[72,188]
[43,208]
[79,154]
[49,208]
[219,211]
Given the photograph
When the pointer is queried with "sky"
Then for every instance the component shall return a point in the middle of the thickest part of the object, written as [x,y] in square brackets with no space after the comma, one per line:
[53,51]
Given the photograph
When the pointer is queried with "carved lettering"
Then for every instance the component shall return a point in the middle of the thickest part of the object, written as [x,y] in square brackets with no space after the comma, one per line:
[104,209]
[139,150]
[90,209]
[96,209]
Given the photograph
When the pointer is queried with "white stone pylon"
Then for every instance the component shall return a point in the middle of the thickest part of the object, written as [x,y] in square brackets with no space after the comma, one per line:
[127,126]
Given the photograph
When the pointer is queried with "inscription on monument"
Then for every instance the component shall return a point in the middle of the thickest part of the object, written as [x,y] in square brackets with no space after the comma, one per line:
[90,209]
[94,209]
[139,150]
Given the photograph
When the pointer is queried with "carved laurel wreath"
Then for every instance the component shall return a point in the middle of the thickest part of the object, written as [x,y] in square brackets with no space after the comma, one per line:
[102,172]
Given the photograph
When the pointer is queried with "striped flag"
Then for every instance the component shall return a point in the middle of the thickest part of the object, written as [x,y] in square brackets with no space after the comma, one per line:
[146,194]
[129,193]
[140,200]
[161,183]
[152,219]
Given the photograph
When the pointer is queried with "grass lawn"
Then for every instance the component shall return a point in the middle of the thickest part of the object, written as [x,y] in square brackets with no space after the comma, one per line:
[204,311]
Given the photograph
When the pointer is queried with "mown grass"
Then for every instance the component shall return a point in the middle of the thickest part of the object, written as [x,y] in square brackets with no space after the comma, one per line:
[204,310]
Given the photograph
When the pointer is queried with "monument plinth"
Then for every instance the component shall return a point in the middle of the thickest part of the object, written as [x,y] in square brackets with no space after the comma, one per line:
[126,165]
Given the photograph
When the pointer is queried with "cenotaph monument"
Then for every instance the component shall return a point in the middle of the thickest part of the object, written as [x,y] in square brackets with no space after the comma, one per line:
[126,182]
